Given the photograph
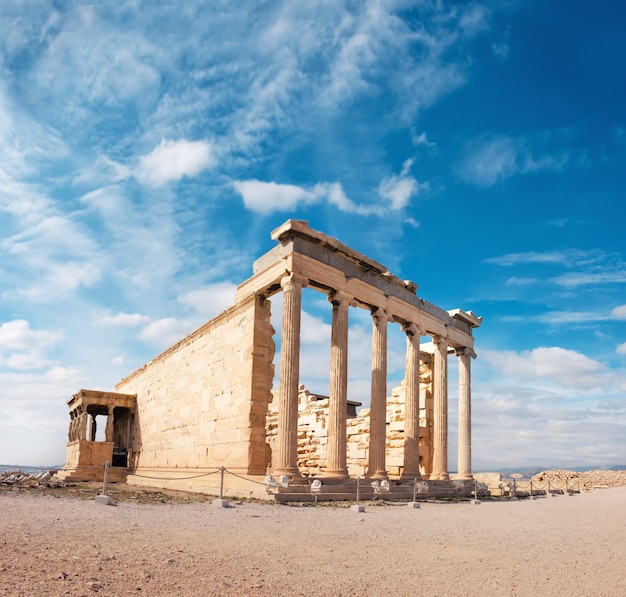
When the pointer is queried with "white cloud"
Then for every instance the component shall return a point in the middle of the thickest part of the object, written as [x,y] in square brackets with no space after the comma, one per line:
[172,160]
[63,374]
[533,427]
[398,189]
[24,361]
[314,330]
[268,197]
[619,313]
[165,332]
[210,300]
[488,162]
[26,347]
[18,335]
[554,367]
[422,139]
[125,319]
[621,349]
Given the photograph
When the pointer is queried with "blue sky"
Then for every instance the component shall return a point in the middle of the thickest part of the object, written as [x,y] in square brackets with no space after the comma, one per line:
[147,151]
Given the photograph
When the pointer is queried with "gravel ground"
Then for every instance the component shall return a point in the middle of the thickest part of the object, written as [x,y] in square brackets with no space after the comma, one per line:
[62,545]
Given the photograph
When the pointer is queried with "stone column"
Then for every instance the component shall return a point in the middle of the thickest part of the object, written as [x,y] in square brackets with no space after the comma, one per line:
[338,403]
[465,413]
[440,409]
[411,468]
[378,407]
[286,456]
[108,430]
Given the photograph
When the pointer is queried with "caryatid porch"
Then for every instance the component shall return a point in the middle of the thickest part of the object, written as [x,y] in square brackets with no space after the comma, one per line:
[86,454]
[307,258]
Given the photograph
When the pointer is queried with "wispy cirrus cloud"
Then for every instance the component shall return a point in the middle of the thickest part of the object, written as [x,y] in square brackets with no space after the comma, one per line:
[61,255]
[568,257]
[592,267]
[493,158]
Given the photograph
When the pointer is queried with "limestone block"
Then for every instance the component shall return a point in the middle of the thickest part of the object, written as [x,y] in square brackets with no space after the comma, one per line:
[394,460]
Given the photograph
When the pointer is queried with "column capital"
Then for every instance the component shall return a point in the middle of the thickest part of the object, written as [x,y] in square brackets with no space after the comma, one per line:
[413,329]
[338,297]
[380,315]
[294,278]
[465,351]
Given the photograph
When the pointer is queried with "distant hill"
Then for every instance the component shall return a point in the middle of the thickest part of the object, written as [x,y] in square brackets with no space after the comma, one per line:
[530,471]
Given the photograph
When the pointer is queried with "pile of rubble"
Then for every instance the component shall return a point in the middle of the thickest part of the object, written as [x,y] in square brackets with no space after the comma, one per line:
[22,479]
[588,480]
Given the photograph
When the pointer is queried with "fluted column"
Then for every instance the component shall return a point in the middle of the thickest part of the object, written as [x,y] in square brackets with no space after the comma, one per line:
[378,407]
[286,457]
[440,409]
[465,413]
[338,403]
[411,468]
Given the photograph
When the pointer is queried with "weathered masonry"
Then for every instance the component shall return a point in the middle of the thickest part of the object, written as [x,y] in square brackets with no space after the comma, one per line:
[204,402]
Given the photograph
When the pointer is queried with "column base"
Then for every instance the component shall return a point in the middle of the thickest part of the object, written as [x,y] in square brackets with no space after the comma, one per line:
[377,475]
[464,477]
[292,473]
[439,477]
[336,474]
[410,477]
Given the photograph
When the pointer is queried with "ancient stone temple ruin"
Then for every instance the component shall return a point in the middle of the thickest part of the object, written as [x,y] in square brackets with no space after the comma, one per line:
[212,400]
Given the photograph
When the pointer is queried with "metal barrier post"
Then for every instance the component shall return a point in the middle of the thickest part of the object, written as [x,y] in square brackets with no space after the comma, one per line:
[106,477]
[220,502]
[103,498]
[414,503]
[358,507]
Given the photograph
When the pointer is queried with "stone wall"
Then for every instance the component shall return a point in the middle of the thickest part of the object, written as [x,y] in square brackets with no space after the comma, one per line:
[313,430]
[202,403]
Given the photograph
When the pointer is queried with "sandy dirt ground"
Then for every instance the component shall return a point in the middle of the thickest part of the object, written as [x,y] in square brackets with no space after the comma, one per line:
[62,545]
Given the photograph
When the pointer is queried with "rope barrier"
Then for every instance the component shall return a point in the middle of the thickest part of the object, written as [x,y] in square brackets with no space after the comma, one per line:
[244,478]
[177,478]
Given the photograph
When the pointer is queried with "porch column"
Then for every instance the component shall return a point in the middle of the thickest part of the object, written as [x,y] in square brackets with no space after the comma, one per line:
[411,467]
[440,409]
[338,404]
[465,413]
[108,431]
[378,407]
[286,457]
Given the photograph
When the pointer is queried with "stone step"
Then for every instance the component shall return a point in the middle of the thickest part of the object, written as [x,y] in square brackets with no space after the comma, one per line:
[333,489]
